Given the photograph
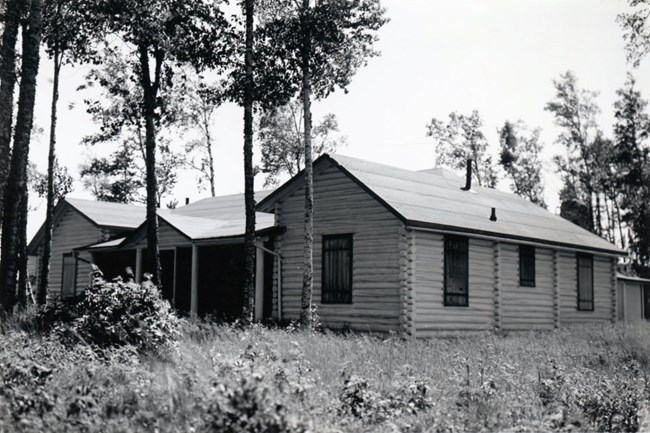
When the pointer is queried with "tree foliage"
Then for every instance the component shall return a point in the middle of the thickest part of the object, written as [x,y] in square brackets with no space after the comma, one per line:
[63,181]
[320,47]
[631,156]
[197,101]
[575,110]
[520,160]
[460,139]
[280,132]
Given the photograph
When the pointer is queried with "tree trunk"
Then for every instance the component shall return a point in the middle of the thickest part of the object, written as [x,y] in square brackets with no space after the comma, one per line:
[22,253]
[49,210]
[249,194]
[150,91]
[208,141]
[7,84]
[308,259]
[17,184]
[618,220]
[599,218]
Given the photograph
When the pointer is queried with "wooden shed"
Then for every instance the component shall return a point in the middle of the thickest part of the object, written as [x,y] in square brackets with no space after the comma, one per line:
[633,298]
[417,252]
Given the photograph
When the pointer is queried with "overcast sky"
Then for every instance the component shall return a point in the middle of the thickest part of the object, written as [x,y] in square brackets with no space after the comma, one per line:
[496,56]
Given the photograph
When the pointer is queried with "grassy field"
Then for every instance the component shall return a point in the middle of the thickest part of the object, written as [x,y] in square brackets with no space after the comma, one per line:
[229,379]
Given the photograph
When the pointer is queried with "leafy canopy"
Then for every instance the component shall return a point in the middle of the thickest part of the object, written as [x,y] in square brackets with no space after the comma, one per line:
[280,133]
[520,159]
[460,139]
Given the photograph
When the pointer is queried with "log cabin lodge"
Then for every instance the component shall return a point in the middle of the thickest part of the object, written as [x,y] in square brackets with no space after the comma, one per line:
[417,252]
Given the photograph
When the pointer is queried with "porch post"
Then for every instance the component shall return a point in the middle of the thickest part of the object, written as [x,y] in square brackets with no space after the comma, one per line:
[259,284]
[194,296]
[138,265]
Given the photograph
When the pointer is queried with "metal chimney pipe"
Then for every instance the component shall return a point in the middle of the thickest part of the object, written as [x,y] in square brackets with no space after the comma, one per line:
[187,200]
[493,215]
[468,176]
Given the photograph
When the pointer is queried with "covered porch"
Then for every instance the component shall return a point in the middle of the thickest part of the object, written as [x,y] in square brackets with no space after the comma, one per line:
[205,278]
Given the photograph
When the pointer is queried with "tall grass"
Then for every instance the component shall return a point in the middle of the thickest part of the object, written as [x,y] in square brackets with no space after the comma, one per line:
[232,379]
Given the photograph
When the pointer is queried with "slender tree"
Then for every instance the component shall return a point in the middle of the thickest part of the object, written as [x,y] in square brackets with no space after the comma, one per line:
[250,248]
[280,132]
[11,23]
[16,192]
[520,159]
[575,111]
[198,105]
[159,34]
[322,45]
[632,166]
[460,139]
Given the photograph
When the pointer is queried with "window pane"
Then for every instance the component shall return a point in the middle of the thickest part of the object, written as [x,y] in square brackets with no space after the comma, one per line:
[585,283]
[456,278]
[68,280]
[526,265]
[336,284]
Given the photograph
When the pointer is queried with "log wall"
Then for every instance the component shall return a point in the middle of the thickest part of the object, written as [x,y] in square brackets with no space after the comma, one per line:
[72,231]
[340,207]
[431,314]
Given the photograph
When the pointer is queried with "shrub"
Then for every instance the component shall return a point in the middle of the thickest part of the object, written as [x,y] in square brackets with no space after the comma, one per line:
[250,407]
[119,313]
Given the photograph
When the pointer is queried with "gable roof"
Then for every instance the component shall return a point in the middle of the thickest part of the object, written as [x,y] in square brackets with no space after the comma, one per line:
[98,213]
[108,214]
[434,199]
[210,218]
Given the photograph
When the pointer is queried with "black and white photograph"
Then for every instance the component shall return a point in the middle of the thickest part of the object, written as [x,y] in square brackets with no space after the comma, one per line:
[324,216]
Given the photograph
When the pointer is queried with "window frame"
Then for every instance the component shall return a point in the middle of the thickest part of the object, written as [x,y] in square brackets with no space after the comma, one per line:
[73,293]
[591,260]
[446,302]
[349,300]
[530,249]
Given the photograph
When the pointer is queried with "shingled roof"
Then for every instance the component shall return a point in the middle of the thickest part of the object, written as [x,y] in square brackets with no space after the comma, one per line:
[434,199]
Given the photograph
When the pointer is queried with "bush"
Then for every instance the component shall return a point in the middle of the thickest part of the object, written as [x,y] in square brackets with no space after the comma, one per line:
[250,407]
[118,313]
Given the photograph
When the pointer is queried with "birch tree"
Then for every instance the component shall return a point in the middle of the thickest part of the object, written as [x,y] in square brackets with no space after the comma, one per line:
[574,111]
[280,133]
[322,44]
[16,192]
[67,40]
[459,139]
[520,160]
[158,34]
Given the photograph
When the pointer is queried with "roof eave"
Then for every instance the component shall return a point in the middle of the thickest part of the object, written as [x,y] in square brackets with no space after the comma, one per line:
[447,228]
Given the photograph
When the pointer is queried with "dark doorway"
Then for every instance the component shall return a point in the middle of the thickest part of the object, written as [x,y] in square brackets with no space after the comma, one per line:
[183,279]
[221,281]
[167,276]
[267,304]
[113,264]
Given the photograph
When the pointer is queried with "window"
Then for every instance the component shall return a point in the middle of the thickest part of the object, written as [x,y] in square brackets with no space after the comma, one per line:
[526,265]
[456,271]
[337,269]
[69,276]
[585,282]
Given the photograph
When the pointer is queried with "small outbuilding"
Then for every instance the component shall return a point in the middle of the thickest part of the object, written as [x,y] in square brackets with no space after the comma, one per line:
[633,298]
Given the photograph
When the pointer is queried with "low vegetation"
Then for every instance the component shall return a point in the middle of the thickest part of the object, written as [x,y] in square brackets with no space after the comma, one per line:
[188,375]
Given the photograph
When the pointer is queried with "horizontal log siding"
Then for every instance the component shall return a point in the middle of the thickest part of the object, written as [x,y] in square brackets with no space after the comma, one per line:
[72,231]
[431,315]
[569,290]
[526,307]
[341,206]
